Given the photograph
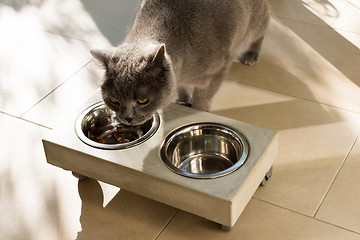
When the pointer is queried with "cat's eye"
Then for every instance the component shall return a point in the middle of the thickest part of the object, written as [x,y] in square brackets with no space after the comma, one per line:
[143,101]
[114,101]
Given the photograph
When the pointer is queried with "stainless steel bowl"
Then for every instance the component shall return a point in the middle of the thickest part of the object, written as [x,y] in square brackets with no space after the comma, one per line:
[204,150]
[99,127]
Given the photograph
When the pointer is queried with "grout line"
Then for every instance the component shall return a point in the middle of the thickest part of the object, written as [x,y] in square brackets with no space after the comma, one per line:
[301,98]
[166,224]
[325,25]
[284,208]
[53,90]
[336,29]
[8,114]
[38,124]
[89,44]
[22,119]
[344,30]
[307,216]
[336,175]
[52,32]
[331,224]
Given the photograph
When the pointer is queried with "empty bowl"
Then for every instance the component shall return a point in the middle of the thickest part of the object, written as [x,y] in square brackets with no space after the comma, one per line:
[99,127]
[204,150]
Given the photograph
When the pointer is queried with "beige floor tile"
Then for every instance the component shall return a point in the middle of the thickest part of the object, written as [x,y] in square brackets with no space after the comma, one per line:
[313,142]
[259,220]
[40,201]
[31,68]
[311,11]
[83,20]
[341,205]
[354,38]
[64,17]
[119,17]
[349,18]
[294,64]
[233,94]
[308,61]
[67,98]
[37,201]
[334,47]
[126,216]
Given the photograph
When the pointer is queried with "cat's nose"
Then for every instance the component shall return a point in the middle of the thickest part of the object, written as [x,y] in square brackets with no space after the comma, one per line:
[129,119]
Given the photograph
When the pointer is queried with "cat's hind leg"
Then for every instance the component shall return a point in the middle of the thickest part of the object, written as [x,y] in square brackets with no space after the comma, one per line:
[251,56]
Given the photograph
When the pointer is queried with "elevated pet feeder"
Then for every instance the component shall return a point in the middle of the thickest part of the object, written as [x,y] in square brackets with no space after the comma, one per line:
[196,161]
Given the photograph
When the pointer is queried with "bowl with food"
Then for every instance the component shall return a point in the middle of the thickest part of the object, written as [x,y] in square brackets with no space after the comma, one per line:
[98,126]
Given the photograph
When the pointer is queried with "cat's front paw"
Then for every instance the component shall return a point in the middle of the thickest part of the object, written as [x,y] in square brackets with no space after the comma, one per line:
[187,104]
[249,58]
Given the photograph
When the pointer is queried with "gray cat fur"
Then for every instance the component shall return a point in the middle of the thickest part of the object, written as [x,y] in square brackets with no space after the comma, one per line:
[180,49]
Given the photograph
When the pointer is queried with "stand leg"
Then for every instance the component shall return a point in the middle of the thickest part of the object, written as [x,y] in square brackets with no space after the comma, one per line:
[225,228]
[79,176]
[267,177]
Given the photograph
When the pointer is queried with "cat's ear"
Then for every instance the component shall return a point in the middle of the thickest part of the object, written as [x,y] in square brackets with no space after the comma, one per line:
[157,63]
[159,57]
[101,56]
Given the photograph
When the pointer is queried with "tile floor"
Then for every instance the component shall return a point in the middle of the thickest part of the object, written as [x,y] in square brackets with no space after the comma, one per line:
[306,86]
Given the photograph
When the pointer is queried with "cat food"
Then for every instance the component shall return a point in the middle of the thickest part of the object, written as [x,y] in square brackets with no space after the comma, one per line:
[99,140]
[122,135]
[119,135]
[120,139]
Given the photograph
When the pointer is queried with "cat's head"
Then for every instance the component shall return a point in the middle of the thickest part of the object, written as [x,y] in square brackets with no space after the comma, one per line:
[137,82]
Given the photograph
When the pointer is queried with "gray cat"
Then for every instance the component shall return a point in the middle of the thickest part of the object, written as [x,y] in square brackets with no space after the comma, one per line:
[179,49]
